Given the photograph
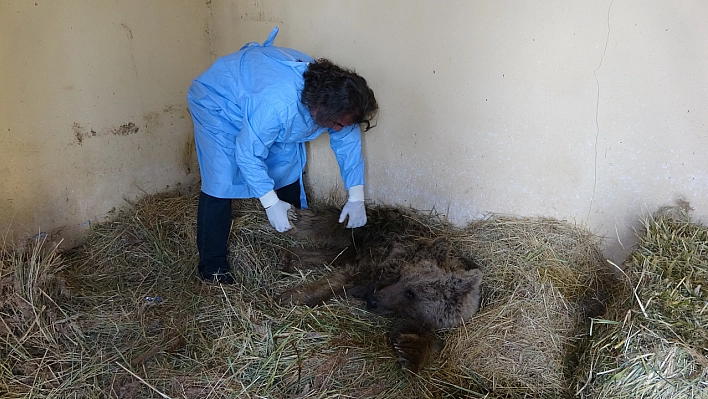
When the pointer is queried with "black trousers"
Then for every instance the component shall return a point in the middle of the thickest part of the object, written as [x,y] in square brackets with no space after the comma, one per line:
[214,226]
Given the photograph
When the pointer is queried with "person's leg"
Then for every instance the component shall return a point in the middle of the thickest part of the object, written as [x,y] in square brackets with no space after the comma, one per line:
[213,227]
[290,194]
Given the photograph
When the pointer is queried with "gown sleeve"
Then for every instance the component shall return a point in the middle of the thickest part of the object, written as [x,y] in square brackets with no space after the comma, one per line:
[346,145]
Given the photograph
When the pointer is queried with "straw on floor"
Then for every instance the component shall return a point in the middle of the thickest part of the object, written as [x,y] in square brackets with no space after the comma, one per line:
[654,343]
[124,316]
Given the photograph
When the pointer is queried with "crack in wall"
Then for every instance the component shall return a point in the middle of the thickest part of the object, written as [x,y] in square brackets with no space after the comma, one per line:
[597,110]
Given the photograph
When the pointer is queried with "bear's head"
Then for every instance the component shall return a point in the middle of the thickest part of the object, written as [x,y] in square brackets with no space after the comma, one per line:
[431,290]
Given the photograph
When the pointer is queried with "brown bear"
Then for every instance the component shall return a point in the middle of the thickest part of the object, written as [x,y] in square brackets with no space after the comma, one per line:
[399,265]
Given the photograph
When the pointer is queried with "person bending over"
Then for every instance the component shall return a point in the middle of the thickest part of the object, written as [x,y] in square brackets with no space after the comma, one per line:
[253,111]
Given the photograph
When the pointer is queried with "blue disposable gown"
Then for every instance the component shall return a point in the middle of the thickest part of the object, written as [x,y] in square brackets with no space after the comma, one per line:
[250,126]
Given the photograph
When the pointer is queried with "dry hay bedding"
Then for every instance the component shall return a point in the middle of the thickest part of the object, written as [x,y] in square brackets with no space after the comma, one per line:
[123,316]
[654,343]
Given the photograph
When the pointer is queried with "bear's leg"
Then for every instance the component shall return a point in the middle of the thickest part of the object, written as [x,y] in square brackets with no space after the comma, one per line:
[312,258]
[317,292]
[415,345]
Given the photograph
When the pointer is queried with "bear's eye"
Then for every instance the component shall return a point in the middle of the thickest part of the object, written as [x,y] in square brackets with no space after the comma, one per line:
[410,294]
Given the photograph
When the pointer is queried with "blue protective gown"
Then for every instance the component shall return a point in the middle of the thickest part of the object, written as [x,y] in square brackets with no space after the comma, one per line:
[250,126]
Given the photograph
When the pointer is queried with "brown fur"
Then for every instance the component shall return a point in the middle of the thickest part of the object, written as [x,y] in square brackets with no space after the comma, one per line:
[397,264]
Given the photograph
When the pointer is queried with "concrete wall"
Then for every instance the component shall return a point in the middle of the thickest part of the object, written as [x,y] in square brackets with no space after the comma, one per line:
[93,107]
[594,112]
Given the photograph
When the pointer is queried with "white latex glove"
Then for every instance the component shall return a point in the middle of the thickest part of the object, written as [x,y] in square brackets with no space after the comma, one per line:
[278,211]
[354,208]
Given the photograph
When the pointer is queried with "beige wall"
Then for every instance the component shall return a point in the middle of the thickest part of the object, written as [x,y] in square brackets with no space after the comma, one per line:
[595,112]
[93,107]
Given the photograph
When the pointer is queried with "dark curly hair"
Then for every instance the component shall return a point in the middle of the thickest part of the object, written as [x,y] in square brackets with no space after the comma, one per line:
[332,93]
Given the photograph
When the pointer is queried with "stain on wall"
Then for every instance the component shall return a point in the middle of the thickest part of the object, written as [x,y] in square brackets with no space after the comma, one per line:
[126,129]
[81,134]
[189,156]
[256,11]
[152,121]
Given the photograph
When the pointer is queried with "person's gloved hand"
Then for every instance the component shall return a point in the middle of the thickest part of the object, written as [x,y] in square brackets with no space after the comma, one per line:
[279,212]
[278,216]
[354,208]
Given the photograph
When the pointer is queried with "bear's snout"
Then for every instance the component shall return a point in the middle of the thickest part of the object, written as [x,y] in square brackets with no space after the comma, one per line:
[381,304]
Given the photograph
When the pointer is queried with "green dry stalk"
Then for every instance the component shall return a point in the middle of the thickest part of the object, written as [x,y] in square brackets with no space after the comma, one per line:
[87,324]
[655,343]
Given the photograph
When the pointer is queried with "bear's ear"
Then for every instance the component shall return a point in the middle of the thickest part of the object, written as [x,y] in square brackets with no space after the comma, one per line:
[438,250]
[470,281]
[469,288]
